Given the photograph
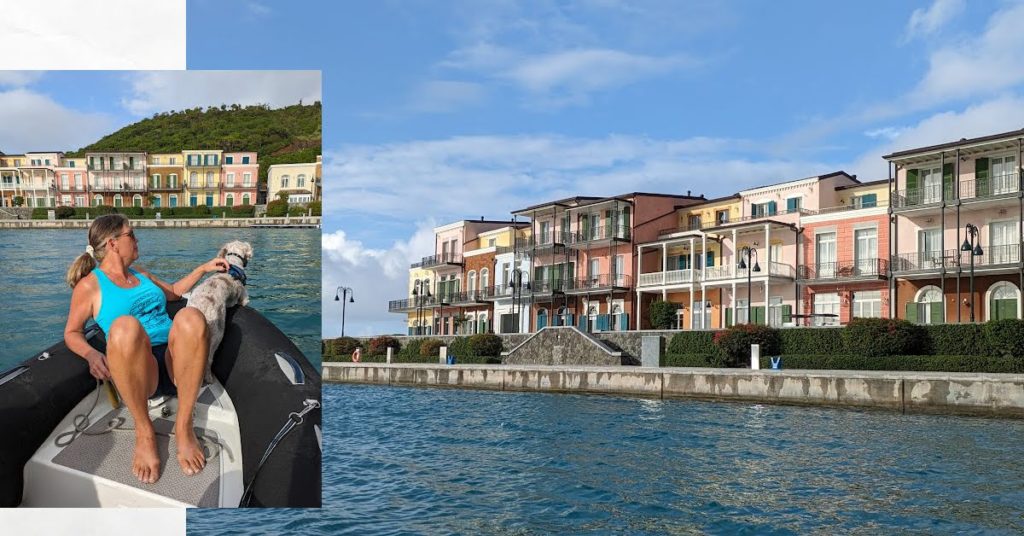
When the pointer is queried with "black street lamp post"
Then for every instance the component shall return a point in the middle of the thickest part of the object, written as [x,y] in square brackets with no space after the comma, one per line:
[515,283]
[974,248]
[340,295]
[748,252]
[420,293]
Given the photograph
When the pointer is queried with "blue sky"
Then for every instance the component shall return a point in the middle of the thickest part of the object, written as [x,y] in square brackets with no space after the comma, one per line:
[66,110]
[437,111]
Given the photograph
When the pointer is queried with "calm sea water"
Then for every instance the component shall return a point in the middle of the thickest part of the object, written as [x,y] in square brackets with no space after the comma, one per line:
[283,279]
[435,461]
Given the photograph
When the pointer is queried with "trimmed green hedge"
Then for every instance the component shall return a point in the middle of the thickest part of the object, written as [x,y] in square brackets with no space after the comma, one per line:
[957,339]
[811,341]
[693,360]
[920,363]
[692,342]
[80,213]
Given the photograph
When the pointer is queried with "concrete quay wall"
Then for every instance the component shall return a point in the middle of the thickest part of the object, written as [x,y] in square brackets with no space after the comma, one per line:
[1000,395]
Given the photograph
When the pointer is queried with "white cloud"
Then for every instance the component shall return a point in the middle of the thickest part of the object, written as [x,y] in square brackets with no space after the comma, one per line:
[376,276]
[990,117]
[927,21]
[19,78]
[161,91]
[985,65]
[259,9]
[889,133]
[438,96]
[32,122]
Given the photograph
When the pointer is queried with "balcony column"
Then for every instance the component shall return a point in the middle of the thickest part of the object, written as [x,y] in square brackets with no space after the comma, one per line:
[767,317]
[733,256]
[691,308]
[664,261]
[735,311]
[693,264]
[768,246]
[638,313]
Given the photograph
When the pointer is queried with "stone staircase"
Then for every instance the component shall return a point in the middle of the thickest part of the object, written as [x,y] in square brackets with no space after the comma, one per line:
[564,345]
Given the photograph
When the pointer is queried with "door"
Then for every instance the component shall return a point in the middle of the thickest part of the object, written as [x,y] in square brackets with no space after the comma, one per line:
[864,251]
[929,247]
[825,255]
[1004,174]
[1003,243]
[618,268]
[932,182]
[775,311]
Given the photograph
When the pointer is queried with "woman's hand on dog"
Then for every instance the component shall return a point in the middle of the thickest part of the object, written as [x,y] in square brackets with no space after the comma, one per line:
[98,365]
[217,264]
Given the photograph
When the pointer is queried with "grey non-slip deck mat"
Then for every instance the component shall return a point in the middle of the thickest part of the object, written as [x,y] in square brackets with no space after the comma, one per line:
[110,456]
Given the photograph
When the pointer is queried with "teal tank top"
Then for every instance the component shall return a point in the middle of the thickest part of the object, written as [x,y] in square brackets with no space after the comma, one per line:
[145,301]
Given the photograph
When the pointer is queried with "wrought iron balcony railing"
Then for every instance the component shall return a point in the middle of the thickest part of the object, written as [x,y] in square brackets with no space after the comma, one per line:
[598,282]
[922,196]
[441,259]
[855,269]
[1002,184]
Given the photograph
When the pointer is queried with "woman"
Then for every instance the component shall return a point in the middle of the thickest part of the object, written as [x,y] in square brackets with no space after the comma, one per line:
[147,354]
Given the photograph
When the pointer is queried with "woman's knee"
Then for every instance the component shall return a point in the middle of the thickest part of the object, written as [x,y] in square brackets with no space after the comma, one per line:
[126,331]
[190,321]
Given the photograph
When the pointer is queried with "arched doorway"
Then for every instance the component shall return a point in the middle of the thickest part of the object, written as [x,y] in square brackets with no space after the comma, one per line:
[1003,300]
[927,307]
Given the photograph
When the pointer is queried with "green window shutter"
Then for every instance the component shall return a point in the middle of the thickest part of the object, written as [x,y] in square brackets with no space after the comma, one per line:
[912,312]
[609,229]
[912,195]
[981,186]
[1003,309]
[626,218]
[787,314]
[728,317]
[935,312]
[947,181]
[586,226]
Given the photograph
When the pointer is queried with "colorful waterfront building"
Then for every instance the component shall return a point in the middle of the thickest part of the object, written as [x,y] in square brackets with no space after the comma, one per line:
[72,179]
[117,178]
[241,173]
[945,197]
[318,179]
[844,269]
[203,172]
[734,259]
[581,252]
[37,178]
[10,179]
[166,180]
[294,180]
[507,282]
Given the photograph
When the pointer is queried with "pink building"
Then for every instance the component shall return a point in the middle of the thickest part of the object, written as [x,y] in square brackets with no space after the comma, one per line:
[581,253]
[240,179]
[71,180]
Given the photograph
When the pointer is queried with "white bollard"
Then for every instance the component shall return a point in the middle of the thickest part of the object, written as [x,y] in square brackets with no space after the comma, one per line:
[443,356]
[755,357]
[391,352]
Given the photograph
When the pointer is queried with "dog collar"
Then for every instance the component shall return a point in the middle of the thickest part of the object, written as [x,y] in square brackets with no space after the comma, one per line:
[237,256]
[236,273]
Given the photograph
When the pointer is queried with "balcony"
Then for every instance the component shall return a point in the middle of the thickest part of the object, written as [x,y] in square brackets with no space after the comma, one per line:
[988,188]
[546,242]
[671,277]
[496,292]
[601,234]
[775,269]
[71,188]
[844,208]
[691,226]
[598,283]
[466,297]
[862,269]
[123,187]
[441,260]
[546,289]
[926,261]
[921,197]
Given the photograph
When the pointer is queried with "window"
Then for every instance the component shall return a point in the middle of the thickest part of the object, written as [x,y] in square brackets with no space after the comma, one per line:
[97,200]
[78,181]
[491,242]
[929,248]
[865,201]
[693,222]
[485,278]
[209,179]
[594,269]
[793,204]
[172,160]
[775,310]
[231,200]
[1004,174]
[865,251]
[931,179]
[137,200]
[300,182]
[79,200]
[284,181]
[742,311]
[155,181]
[172,180]
[245,199]
[172,200]
[231,180]
[156,161]
[867,304]
[826,309]
[118,201]
[245,159]
[193,180]
[722,216]
[157,203]
[545,232]
[1002,301]
[759,210]
[247,179]
[1003,241]
[825,254]
[209,199]
[63,181]
[472,283]
[193,200]
[229,160]
[618,269]
[65,200]
[928,306]
[71,163]
[697,318]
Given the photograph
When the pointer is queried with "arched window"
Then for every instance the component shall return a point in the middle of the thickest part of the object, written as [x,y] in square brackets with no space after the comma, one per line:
[300,181]
[485,279]
[97,200]
[284,181]
[209,179]
[927,307]
[137,200]
[245,199]
[156,201]
[117,201]
[1003,301]
[471,287]
[482,320]
[231,200]
[193,180]
[542,318]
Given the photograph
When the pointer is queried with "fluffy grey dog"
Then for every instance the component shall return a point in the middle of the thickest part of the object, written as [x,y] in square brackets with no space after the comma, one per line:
[218,292]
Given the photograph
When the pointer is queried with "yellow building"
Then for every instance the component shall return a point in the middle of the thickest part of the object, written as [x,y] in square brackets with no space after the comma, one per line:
[166,179]
[10,179]
[419,303]
[203,176]
[295,180]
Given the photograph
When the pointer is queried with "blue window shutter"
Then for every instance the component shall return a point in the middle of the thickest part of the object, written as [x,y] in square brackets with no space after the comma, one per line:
[710,259]
[869,200]
[583,322]
[569,319]
[771,208]
[753,210]
[624,321]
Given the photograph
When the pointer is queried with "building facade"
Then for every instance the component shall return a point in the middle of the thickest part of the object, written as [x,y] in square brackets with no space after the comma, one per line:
[294,180]
[117,178]
[203,172]
[71,179]
[241,173]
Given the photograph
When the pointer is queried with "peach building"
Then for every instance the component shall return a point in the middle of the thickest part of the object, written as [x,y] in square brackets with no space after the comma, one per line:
[71,179]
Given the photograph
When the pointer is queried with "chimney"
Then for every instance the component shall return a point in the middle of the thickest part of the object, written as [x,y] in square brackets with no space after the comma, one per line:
[688,193]
[481,218]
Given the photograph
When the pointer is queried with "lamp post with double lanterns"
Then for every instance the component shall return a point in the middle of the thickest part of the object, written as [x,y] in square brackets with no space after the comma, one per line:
[516,284]
[421,294]
[748,252]
[340,295]
[974,248]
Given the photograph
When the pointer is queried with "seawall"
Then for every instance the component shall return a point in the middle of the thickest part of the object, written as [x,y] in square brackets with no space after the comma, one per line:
[997,395]
[174,223]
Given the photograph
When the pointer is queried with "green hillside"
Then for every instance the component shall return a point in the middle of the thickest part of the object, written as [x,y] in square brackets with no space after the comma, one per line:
[280,136]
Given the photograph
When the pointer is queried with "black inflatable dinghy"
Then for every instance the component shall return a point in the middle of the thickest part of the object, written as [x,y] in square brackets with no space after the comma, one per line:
[259,422]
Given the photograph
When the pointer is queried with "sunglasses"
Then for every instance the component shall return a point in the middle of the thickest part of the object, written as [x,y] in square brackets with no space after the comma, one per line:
[130,234]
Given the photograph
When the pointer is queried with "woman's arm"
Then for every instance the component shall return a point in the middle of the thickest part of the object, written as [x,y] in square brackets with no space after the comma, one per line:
[74,332]
[174,291]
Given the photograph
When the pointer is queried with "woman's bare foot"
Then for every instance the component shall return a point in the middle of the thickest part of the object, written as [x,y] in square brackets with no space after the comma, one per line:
[190,452]
[146,464]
